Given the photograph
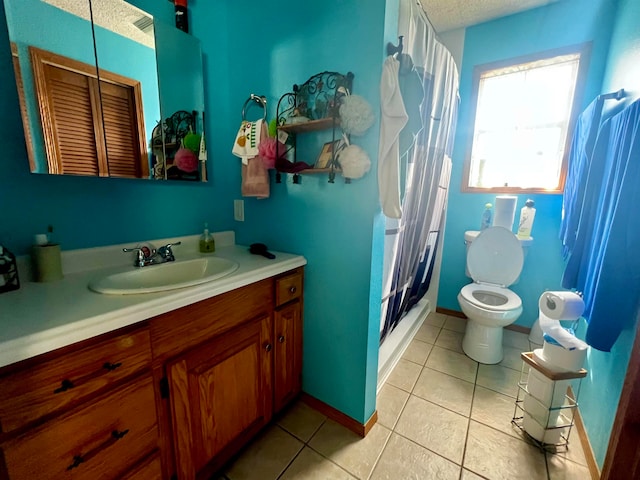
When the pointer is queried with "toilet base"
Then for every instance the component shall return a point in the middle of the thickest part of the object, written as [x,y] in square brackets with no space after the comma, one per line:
[483,343]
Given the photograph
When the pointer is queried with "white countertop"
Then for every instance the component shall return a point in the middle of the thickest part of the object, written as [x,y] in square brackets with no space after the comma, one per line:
[40,317]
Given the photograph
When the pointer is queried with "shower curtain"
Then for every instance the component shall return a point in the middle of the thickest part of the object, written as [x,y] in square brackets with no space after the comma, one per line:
[412,240]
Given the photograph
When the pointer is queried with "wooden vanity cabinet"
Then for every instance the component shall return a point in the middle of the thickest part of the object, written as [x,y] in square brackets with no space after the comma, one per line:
[84,411]
[172,397]
[287,339]
[223,389]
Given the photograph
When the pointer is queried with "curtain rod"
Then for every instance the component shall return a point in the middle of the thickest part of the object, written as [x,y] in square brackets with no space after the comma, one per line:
[424,13]
[619,95]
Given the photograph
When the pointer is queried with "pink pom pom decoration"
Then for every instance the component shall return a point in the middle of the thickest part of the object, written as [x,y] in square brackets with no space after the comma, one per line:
[186,160]
[267,151]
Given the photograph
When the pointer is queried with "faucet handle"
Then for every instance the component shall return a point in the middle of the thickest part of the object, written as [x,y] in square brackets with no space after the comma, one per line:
[143,253]
[166,251]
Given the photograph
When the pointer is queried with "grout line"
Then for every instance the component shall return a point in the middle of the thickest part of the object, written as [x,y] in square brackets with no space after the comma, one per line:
[337,465]
[377,460]
[466,437]
[291,461]
[428,449]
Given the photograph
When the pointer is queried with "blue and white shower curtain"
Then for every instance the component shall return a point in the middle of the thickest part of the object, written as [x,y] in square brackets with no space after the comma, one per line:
[412,241]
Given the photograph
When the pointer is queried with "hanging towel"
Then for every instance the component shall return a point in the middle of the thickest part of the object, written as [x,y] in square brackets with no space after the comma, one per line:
[575,270]
[394,118]
[255,179]
[255,175]
[582,144]
[611,290]
[247,140]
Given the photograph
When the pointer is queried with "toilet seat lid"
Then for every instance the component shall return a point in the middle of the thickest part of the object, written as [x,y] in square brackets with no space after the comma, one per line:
[495,257]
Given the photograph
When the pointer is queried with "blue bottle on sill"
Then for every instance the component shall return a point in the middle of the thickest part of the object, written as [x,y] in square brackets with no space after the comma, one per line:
[486,217]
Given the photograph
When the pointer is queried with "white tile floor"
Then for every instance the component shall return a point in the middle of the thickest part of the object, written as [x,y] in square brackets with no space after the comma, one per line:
[440,416]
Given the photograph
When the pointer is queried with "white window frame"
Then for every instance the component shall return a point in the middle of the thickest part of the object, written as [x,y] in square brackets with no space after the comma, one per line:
[481,71]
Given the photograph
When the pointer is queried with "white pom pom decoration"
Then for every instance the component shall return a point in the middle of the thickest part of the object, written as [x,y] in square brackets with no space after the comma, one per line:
[354,162]
[356,115]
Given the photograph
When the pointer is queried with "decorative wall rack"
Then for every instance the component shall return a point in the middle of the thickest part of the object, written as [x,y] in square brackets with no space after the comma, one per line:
[312,107]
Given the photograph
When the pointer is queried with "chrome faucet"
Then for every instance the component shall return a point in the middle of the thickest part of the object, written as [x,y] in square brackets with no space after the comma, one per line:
[148,255]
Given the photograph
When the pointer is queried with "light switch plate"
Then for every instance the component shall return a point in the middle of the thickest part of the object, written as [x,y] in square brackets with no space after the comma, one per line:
[238,210]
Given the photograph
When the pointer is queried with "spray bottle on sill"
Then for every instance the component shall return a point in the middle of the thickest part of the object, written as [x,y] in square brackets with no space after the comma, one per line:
[486,217]
[527,214]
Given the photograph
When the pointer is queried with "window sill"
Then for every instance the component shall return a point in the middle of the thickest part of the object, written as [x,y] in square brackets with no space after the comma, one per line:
[513,190]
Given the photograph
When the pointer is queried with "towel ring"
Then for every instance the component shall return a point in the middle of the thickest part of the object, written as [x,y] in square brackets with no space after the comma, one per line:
[260,100]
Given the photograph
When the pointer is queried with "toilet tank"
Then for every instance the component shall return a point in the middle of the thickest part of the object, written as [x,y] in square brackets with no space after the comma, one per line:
[470,236]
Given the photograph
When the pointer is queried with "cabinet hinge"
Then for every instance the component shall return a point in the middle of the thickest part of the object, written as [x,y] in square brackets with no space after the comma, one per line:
[164,387]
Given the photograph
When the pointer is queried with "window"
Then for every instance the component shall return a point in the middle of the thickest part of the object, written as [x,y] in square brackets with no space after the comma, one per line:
[523,112]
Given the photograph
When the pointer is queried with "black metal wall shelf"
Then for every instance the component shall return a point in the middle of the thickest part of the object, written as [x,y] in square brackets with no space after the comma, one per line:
[313,107]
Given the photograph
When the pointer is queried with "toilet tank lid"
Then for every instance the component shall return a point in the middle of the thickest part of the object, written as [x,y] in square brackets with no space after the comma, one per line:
[471,235]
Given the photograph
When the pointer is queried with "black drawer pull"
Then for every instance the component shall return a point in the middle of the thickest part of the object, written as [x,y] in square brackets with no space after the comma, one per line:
[77,460]
[111,366]
[118,435]
[65,385]
[268,347]
[80,459]
[292,290]
[281,338]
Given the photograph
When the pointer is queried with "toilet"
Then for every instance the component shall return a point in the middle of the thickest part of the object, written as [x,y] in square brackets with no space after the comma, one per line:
[494,262]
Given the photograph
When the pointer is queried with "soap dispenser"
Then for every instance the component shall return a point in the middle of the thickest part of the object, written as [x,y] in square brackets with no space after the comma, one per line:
[207,243]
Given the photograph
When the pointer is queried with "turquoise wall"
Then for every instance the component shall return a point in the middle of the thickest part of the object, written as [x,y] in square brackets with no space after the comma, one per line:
[88,212]
[601,389]
[532,31]
[332,225]
[260,49]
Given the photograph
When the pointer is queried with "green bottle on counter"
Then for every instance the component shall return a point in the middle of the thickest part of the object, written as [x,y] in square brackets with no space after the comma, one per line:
[207,243]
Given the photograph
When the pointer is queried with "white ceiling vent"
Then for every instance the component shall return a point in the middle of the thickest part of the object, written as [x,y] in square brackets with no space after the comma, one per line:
[144,23]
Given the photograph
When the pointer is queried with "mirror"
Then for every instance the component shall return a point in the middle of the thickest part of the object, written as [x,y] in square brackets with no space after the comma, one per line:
[123,106]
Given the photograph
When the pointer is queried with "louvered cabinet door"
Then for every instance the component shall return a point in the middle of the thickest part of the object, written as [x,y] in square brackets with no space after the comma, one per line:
[73,137]
[124,131]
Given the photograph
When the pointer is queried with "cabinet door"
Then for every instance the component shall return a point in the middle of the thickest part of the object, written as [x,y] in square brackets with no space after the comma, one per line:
[220,395]
[288,355]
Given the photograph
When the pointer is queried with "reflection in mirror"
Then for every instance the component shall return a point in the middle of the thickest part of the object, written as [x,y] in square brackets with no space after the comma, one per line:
[38,28]
[126,57]
[178,144]
[79,122]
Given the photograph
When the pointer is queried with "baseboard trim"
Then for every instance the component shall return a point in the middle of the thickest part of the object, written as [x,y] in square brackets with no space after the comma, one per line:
[518,328]
[451,313]
[339,417]
[456,313]
[589,456]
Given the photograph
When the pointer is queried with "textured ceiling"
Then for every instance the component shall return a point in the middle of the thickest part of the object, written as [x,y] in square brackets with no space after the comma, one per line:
[450,14]
[115,15]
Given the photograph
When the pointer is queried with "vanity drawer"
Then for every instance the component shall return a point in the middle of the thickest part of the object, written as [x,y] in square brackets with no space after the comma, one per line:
[63,380]
[101,441]
[288,288]
[150,469]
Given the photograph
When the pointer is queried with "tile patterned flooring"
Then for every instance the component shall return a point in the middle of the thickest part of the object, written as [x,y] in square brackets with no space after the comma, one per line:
[440,416]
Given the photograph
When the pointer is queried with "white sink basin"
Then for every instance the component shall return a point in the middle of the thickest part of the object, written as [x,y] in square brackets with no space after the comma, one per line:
[166,276]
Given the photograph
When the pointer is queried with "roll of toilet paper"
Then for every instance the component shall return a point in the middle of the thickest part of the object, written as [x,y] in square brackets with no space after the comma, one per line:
[556,306]
[553,328]
[561,305]
[505,211]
